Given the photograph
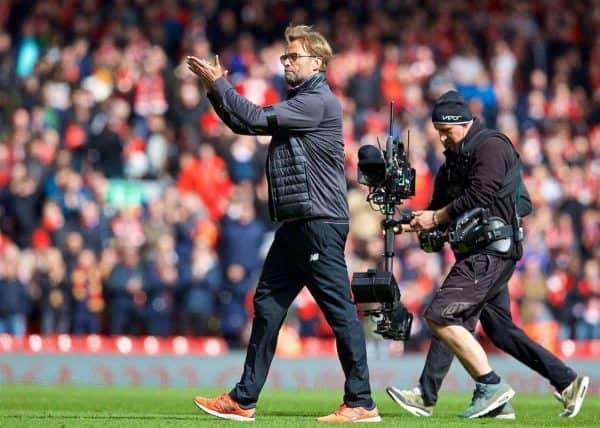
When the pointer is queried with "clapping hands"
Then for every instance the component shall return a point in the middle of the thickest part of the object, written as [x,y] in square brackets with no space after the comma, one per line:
[206,71]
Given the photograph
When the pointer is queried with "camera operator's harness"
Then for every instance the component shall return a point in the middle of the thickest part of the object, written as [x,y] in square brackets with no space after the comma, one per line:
[476,229]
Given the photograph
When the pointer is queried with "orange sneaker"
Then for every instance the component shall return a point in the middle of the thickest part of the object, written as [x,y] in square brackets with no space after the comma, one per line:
[352,414]
[223,406]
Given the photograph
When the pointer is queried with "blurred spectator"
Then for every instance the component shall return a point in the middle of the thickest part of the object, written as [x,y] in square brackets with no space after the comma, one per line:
[86,291]
[311,321]
[7,77]
[187,109]
[588,312]
[242,162]
[106,144]
[175,247]
[150,96]
[71,249]
[241,235]
[198,299]
[156,223]
[55,300]
[127,227]
[23,204]
[29,50]
[364,87]
[93,226]
[206,175]
[161,282]
[189,217]
[14,298]
[125,293]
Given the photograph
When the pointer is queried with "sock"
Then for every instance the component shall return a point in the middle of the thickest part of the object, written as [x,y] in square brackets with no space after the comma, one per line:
[247,406]
[367,407]
[561,388]
[371,407]
[488,378]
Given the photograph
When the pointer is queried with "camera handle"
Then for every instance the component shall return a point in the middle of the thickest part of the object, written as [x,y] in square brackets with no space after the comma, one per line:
[391,227]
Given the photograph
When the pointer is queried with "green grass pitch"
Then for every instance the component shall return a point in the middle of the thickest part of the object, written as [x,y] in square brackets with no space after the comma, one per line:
[70,406]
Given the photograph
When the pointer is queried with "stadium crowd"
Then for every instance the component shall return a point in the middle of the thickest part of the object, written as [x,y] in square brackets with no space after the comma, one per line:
[127,207]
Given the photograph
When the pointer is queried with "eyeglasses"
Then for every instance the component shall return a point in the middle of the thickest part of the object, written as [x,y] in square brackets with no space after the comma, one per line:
[293,57]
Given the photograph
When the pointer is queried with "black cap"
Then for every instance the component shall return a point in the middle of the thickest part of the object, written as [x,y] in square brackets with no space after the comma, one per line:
[451,109]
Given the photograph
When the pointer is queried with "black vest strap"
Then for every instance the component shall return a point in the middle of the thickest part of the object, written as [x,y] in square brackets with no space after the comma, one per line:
[513,179]
[512,182]
[501,233]
[271,118]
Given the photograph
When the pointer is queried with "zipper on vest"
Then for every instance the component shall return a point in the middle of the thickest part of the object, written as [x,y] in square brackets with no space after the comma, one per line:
[271,194]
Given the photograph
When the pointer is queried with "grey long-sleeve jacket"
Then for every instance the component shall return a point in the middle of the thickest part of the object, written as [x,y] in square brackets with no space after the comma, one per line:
[305,165]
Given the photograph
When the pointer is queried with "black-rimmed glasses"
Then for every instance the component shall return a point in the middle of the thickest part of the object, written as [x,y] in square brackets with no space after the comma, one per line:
[293,57]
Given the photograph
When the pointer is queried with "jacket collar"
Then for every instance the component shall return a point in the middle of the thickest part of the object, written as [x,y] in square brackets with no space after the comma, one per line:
[463,146]
[315,81]
[476,128]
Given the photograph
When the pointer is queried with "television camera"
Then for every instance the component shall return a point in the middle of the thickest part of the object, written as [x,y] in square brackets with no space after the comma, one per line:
[391,180]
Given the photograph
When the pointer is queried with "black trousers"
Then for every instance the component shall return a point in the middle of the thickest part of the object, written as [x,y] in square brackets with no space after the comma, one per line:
[497,323]
[311,253]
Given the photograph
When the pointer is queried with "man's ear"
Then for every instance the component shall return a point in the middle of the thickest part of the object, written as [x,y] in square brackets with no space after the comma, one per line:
[319,62]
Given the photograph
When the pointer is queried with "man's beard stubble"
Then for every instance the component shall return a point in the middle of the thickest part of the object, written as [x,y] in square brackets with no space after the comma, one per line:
[291,78]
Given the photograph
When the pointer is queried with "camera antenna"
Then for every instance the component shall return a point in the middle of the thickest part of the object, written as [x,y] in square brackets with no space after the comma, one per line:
[390,140]
[391,117]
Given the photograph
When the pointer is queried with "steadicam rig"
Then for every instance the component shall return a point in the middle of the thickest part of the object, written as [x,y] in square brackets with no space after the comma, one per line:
[391,180]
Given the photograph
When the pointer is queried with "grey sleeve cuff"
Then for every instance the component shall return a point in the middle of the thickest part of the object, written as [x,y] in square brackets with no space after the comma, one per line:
[220,86]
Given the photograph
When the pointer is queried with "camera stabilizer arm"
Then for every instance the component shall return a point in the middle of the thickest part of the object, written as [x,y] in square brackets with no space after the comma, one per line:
[390,179]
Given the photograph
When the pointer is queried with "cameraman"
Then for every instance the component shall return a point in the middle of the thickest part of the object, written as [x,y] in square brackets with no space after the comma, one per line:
[482,170]
[307,192]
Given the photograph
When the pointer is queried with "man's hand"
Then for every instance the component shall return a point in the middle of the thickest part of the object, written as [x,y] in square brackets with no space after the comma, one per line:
[134,285]
[423,220]
[206,71]
[236,272]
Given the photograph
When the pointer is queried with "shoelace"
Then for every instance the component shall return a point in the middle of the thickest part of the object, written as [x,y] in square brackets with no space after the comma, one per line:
[354,411]
[567,393]
[340,409]
[417,395]
[478,393]
[224,402]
